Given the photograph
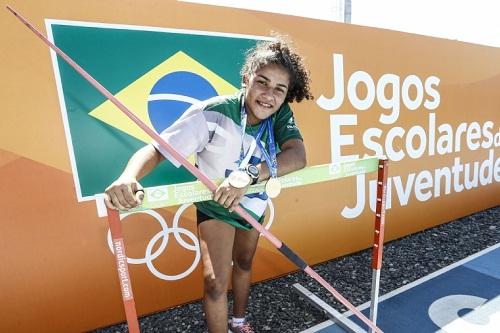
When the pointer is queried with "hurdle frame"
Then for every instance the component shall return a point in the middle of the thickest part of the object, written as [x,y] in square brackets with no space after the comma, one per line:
[377,248]
[311,175]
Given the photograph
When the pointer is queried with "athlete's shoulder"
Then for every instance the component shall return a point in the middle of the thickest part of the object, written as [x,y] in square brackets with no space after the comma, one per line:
[224,107]
[284,112]
[223,102]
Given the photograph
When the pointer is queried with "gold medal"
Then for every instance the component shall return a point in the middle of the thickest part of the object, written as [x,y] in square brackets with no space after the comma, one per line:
[273,187]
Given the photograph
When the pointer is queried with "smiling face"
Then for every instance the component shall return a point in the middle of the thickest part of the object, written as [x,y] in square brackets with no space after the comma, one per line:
[265,92]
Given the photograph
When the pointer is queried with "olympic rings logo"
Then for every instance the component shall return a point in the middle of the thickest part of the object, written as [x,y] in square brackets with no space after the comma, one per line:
[164,235]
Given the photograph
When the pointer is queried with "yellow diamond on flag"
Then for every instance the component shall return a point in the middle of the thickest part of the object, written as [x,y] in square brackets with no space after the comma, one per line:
[135,95]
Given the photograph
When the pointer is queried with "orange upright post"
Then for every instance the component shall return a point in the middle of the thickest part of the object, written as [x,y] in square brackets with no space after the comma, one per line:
[378,242]
[122,268]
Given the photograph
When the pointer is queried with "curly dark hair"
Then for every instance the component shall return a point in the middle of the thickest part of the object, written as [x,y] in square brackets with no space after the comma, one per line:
[280,52]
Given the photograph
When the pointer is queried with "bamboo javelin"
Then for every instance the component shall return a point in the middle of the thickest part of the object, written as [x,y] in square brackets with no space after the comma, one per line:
[202,177]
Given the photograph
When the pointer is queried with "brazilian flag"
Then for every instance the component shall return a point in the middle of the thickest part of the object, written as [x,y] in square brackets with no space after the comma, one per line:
[157,73]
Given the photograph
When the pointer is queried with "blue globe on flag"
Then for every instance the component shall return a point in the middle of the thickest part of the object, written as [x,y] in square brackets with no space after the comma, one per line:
[173,94]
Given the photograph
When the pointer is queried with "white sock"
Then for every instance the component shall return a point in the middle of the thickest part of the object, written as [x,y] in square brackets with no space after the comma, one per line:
[238,321]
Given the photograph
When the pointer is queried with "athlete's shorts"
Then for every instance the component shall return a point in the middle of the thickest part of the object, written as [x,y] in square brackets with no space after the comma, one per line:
[202,217]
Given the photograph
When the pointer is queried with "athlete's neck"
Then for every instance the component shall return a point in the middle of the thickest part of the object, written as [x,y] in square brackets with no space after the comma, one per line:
[253,122]
[251,119]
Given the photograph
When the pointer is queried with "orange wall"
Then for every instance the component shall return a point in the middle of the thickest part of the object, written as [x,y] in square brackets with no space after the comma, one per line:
[57,272]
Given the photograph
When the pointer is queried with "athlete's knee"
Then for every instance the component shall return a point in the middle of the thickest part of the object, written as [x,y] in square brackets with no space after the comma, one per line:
[215,288]
[243,263]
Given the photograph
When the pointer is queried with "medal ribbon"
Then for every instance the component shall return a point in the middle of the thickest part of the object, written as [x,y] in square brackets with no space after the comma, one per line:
[270,157]
[245,158]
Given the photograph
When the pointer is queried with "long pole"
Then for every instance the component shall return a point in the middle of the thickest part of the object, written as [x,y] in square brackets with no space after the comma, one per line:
[198,174]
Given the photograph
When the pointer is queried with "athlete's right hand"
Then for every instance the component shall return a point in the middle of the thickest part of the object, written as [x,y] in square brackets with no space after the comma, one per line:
[123,194]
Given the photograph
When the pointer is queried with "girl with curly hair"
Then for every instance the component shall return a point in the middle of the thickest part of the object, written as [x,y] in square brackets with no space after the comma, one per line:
[245,138]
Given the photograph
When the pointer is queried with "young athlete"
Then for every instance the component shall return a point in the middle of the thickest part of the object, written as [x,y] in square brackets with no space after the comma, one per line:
[245,138]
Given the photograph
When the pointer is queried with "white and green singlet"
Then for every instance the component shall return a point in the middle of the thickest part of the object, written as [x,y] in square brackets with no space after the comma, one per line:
[212,130]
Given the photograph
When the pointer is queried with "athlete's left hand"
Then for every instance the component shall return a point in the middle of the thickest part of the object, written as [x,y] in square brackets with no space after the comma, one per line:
[229,196]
